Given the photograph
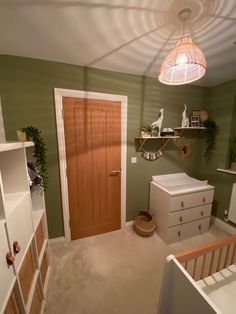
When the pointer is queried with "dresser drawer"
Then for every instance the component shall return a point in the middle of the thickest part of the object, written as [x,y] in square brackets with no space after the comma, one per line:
[190,214]
[190,200]
[187,230]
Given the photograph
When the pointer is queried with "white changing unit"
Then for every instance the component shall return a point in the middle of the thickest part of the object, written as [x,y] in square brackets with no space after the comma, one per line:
[181,206]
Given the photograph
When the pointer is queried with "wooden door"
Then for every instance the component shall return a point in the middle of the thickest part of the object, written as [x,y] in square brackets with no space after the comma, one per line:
[93,155]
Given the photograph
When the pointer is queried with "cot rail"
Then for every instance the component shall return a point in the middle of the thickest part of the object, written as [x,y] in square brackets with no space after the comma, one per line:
[207,259]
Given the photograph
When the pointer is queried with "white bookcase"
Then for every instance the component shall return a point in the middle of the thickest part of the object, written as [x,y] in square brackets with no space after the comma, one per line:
[24,257]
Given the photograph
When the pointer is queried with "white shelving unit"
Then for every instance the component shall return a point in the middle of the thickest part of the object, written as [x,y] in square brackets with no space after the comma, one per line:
[229,171]
[24,258]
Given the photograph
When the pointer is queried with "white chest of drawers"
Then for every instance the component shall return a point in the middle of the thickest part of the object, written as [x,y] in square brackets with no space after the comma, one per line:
[181,214]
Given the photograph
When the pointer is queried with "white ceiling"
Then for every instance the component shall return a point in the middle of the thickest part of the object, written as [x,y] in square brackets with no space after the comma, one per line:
[131,36]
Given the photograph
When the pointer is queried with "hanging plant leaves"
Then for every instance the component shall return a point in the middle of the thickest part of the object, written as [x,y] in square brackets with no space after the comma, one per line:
[211,133]
[34,134]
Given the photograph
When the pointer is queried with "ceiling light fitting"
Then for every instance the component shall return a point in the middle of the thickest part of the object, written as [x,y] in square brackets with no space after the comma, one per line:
[185,63]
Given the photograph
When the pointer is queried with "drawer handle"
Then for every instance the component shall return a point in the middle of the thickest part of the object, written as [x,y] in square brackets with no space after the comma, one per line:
[16,247]
[180,218]
[10,259]
[179,233]
[204,199]
[202,213]
[200,227]
[182,204]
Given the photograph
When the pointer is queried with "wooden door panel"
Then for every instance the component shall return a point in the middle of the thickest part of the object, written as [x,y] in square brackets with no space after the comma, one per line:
[93,149]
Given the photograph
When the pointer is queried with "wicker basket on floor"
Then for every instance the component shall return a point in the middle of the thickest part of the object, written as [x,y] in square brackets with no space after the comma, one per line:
[144,223]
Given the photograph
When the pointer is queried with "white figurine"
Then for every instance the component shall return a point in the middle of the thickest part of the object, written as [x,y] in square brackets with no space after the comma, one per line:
[158,122]
[185,119]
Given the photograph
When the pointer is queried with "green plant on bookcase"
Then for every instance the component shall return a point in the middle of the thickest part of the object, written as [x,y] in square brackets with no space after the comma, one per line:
[210,138]
[35,136]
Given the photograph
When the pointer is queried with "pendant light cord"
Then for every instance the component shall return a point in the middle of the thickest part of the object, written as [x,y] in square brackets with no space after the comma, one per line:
[184,27]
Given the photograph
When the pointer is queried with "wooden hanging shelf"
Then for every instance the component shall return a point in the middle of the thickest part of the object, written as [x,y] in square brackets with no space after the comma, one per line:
[198,129]
[164,140]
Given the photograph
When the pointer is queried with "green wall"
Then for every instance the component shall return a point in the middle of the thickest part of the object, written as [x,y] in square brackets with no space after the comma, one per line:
[221,106]
[26,89]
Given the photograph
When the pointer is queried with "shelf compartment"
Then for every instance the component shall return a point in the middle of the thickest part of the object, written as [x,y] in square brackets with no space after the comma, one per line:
[20,228]
[31,304]
[14,171]
[39,236]
[229,171]
[44,267]
[37,216]
[12,304]
[37,198]
[14,200]
[6,272]
[37,300]
[27,274]
[43,250]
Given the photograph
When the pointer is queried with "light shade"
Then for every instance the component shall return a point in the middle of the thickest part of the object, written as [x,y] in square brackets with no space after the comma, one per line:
[184,64]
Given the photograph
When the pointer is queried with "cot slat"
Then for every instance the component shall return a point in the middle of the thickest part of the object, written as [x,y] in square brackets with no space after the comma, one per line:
[203,266]
[226,256]
[212,263]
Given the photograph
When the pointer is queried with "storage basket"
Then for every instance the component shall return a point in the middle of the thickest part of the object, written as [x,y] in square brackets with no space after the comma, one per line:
[144,224]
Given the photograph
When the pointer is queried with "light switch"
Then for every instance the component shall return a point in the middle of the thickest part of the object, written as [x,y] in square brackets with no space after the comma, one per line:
[133,160]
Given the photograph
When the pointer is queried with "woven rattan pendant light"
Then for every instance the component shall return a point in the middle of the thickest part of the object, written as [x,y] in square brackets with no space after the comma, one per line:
[185,63]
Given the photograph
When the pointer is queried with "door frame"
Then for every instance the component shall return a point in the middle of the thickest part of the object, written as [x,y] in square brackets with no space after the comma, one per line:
[58,94]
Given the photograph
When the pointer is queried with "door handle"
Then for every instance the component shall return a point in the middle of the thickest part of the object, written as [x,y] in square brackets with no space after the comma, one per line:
[115,172]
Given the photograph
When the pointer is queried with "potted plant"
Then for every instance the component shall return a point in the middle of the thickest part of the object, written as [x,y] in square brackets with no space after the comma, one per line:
[148,131]
[211,132]
[34,134]
[233,154]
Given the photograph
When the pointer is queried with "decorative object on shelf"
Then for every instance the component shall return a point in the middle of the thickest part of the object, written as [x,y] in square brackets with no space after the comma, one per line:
[202,114]
[35,179]
[144,223]
[167,132]
[152,155]
[233,154]
[203,117]
[185,119]
[34,134]
[185,150]
[148,131]
[211,133]
[185,63]
[158,123]
[195,121]
[21,136]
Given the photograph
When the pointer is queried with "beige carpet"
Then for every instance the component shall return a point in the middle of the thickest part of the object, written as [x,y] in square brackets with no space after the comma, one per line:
[114,273]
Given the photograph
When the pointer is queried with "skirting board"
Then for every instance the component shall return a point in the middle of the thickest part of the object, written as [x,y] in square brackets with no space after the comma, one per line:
[56,240]
[129,223]
[223,225]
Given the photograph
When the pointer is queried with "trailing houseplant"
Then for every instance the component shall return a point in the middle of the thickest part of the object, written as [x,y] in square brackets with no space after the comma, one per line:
[233,153]
[211,133]
[35,135]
